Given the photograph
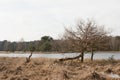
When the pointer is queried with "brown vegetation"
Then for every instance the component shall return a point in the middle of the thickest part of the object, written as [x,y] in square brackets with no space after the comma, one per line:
[52,69]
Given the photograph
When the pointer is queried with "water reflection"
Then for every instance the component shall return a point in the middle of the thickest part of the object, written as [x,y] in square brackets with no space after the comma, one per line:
[97,55]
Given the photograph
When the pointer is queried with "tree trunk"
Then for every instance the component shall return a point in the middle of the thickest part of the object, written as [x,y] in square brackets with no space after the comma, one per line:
[28,59]
[92,56]
[82,56]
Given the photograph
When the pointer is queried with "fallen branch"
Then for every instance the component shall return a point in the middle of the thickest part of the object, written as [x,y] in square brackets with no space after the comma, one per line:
[64,59]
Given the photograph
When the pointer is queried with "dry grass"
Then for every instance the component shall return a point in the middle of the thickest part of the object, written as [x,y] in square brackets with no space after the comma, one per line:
[52,69]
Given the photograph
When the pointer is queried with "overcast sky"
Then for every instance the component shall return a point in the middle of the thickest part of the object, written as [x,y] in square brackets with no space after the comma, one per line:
[31,19]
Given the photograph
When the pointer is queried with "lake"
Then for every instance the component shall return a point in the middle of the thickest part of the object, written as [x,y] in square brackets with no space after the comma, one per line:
[97,55]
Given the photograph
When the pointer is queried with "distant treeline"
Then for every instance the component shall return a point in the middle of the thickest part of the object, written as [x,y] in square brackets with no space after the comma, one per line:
[48,44]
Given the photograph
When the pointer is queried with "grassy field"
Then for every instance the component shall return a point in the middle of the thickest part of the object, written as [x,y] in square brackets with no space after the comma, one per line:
[52,69]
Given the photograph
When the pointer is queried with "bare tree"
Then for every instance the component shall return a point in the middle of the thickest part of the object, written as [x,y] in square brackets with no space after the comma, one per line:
[86,36]
[98,38]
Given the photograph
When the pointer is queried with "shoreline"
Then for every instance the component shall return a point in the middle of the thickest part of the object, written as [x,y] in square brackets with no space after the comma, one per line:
[38,52]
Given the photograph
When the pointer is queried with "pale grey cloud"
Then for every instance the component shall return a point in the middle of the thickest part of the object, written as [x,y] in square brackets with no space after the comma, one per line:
[32,19]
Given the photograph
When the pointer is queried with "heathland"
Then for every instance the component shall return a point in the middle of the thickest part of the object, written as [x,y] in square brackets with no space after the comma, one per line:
[54,69]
